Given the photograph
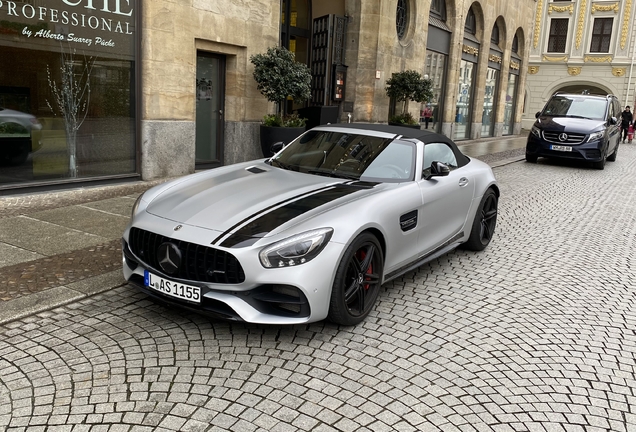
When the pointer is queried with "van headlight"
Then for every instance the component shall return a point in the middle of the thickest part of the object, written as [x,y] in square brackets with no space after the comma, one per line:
[295,250]
[535,131]
[596,136]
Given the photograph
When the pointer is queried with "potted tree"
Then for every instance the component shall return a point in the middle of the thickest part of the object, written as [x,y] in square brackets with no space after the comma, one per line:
[404,87]
[279,76]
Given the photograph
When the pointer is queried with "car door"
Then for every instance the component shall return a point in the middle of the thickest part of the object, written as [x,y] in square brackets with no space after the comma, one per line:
[446,200]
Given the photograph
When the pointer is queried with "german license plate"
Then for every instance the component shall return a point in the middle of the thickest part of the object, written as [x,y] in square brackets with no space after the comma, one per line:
[561,148]
[172,288]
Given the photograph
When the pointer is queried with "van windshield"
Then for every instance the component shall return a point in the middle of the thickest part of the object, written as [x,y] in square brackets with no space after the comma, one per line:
[576,106]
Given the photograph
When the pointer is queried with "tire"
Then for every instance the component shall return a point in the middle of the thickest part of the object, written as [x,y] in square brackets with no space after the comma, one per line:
[484,223]
[531,158]
[612,157]
[357,282]
[600,165]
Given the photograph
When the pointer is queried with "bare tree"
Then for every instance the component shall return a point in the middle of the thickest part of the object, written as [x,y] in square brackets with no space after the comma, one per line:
[72,96]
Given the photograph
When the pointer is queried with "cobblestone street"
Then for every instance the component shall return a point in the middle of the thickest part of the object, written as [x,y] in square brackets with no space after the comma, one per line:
[536,333]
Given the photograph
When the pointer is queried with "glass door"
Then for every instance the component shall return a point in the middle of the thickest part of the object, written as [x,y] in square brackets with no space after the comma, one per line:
[464,100]
[210,96]
[511,101]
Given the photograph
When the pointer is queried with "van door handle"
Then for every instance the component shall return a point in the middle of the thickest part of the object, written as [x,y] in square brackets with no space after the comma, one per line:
[463,182]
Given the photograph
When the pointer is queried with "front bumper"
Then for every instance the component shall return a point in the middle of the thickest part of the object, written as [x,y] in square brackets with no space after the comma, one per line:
[589,151]
[291,295]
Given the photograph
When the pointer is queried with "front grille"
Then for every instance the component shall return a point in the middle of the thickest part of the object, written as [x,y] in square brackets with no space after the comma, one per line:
[198,263]
[572,138]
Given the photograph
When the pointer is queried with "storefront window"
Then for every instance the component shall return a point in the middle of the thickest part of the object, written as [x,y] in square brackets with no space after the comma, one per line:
[295,35]
[465,91]
[488,113]
[511,101]
[67,98]
[435,70]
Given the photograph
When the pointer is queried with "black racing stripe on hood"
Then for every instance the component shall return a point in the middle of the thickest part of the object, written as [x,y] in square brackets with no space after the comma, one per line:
[267,222]
[265,210]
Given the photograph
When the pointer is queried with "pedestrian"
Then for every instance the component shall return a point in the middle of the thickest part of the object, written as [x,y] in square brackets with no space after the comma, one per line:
[627,119]
[428,115]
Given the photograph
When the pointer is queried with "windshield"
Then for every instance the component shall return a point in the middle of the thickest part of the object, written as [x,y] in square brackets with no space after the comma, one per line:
[349,155]
[576,106]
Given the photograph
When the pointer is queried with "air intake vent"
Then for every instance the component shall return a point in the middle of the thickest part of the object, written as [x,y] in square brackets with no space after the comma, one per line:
[255,170]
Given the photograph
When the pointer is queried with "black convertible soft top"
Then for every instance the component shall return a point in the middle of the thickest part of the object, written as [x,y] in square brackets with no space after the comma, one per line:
[423,135]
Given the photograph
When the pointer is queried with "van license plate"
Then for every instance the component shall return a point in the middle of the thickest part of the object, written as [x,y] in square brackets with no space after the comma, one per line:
[561,148]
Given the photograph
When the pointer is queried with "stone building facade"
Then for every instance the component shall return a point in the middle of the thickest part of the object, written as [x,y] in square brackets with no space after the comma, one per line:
[171,86]
[374,49]
[580,46]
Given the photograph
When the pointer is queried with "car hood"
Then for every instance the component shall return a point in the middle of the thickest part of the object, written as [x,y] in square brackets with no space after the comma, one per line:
[252,200]
[569,124]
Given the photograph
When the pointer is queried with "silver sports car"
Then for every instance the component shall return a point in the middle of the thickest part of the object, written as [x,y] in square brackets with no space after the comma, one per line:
[313,232]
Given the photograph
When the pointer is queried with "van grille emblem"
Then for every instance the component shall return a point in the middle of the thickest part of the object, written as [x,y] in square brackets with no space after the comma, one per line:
[563,137]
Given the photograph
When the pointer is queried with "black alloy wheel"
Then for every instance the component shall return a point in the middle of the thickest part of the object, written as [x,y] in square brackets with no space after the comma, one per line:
[357,282]
[484,223]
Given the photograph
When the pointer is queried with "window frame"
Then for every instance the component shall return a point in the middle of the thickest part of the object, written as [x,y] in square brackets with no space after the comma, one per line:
[551,35]
[602,36]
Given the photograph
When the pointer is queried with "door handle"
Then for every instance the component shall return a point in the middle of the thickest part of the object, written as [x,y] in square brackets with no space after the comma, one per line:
[221,112]
[463,182]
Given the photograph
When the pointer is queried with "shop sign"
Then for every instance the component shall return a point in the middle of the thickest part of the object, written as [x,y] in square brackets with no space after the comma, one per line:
[76,16]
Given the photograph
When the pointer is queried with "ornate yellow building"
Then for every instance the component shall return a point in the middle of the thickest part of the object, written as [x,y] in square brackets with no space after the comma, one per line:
[580,45]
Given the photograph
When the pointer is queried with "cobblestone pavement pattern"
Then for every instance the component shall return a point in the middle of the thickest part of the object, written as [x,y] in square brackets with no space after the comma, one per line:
[534,334]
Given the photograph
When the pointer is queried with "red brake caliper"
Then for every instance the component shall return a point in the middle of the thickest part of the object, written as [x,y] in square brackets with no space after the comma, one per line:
[361,256]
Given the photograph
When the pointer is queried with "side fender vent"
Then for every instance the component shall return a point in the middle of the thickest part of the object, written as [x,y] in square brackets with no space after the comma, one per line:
[408,221]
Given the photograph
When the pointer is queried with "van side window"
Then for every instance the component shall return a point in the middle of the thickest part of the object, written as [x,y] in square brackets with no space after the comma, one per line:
[438,152]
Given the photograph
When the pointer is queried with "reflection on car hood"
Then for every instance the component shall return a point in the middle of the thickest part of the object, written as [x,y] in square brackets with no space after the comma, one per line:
[570,124]
[249,194]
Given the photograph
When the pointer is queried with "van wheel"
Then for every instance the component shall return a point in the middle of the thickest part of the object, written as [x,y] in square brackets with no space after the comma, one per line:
[531,158]
[600,165]
[612,157]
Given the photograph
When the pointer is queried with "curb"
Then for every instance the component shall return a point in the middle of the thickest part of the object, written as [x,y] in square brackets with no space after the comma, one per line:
[59,296]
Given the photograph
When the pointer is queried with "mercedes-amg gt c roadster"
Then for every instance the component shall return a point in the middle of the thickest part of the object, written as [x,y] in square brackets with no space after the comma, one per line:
[313,232]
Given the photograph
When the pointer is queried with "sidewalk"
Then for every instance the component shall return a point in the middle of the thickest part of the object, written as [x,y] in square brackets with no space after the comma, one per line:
[60,247]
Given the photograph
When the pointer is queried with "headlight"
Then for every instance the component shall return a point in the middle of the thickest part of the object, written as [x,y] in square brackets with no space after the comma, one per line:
[596,136]
[295,250]
[535,131]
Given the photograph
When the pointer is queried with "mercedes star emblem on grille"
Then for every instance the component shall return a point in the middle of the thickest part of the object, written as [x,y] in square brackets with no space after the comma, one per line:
[563,137]
[169,258]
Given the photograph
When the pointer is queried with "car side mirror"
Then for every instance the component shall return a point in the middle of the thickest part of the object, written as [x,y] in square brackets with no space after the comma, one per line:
[538,114]
[613,121]
[438,169]
[276,147]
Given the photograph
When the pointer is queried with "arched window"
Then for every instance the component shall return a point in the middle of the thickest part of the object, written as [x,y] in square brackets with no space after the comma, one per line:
[438,9]
[402,18]
[494,37]
[515,45]
[471,23]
